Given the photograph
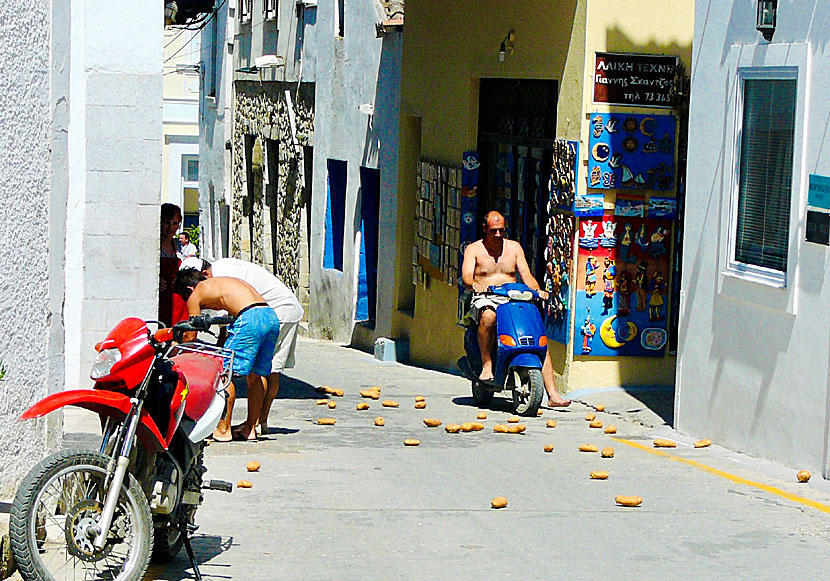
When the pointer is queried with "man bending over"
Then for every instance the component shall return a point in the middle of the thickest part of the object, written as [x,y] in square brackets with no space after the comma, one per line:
[492,261]
[252,337]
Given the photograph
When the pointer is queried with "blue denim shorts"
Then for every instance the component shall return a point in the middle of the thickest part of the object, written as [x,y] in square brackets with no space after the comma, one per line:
[253,338]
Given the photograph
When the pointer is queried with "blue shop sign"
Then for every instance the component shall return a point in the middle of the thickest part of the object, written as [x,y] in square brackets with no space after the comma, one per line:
[818,195]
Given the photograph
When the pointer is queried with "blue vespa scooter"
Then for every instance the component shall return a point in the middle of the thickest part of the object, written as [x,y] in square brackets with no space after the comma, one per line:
[518,354]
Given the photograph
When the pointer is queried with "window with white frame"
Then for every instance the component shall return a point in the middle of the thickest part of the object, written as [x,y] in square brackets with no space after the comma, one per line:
[270,8]
[761,220]
[245,9]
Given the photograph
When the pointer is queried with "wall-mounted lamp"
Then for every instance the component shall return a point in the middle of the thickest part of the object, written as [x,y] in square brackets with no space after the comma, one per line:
[766,17]
[507,45]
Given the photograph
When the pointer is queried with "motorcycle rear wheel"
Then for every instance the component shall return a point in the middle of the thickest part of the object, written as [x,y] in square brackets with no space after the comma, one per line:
[528,389]
[53,517]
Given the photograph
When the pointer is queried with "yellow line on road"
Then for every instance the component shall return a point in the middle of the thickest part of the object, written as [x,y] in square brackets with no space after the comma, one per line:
[731,477]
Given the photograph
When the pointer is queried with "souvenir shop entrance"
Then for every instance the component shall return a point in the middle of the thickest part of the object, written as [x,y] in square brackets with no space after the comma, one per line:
[516,130]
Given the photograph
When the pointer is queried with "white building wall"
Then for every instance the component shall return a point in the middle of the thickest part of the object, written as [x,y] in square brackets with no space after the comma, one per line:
[754,360]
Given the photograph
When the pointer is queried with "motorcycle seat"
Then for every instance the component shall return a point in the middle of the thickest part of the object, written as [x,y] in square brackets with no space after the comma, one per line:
[201,371]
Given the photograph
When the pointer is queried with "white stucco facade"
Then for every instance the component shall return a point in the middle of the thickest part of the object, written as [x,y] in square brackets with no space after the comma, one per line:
[754,354]
[79,185]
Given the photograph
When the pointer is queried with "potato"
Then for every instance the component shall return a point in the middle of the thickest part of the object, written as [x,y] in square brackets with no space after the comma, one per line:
[550,424]
[549,448]
[661,443]
[419,405]
[587,448]
[599,407]
[326,421]
[513,420]
[498,502]
[590,417]
[366,393]
[599,475]
[322,401]
[244,484]
[539,412]
[252,466]
[610,429]
[332,405]
[517,428]
[500,428]
[337,392]
[420,398]
[803,476]
[432,423]
[380,422]
[362,406]
[607,452]
[595,424]
[476,427]
[452,428]
[375,388]
[388,403]
[466,427]
[628,500]
[704,443]
[411,442]
[375,395]
[324,388]
[481,416]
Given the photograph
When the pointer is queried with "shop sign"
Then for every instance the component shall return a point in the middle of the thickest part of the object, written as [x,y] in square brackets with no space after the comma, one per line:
[818,193]
[635,80]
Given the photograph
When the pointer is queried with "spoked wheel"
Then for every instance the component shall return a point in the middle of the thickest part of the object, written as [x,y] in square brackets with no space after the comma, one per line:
[481,395]
[54,522]
[528,389]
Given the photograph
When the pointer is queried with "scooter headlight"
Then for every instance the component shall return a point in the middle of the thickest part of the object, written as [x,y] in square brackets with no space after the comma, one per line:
[104,362]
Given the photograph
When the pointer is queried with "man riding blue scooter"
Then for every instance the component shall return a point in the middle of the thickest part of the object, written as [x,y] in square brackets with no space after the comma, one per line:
[490,267]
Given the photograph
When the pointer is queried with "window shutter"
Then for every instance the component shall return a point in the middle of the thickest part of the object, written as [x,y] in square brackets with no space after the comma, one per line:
[765,173]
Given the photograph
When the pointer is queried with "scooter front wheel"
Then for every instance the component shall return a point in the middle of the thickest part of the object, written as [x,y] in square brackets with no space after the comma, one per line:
[54,521]
[528,389]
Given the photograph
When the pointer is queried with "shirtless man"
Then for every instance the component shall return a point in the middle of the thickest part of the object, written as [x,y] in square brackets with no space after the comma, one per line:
[252,337]
[492,261]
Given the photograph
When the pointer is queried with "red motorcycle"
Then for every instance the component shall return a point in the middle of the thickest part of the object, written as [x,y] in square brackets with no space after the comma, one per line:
[102,515]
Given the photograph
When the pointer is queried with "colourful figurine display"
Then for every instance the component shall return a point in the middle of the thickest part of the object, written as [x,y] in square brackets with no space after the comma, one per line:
[608,278]
[591,276]
[588,331]
[624,288]
[656,301]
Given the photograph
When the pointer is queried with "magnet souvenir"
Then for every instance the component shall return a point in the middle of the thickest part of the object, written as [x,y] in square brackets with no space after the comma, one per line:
[588,331]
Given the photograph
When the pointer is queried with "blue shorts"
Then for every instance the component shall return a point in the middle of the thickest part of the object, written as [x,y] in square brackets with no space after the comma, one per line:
[253,338]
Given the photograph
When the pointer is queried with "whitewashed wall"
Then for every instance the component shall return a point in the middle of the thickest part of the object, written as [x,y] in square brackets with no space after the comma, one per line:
[754,361]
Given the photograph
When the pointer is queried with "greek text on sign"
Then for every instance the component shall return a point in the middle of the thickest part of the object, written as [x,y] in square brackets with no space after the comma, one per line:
[637,80]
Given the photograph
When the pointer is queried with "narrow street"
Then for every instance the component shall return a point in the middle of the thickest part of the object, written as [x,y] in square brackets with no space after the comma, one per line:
[351,501]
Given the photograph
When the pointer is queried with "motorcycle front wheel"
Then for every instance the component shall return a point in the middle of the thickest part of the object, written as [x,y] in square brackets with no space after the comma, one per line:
[54,517]
[528,389]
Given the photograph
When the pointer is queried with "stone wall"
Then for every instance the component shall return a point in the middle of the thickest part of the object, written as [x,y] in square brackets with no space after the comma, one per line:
[267,204]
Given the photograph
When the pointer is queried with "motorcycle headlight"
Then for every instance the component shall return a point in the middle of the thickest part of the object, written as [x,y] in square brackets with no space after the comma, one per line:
[104,362]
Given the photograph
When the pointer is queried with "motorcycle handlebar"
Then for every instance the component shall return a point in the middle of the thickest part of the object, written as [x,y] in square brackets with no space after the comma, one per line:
[199,323]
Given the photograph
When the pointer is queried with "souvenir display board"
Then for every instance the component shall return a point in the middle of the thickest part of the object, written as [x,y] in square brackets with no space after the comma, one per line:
[622,287]
[629,151]
[437,223]
[469,200]
[560,238]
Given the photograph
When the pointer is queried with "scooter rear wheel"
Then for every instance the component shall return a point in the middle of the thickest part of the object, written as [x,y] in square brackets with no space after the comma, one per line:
[481,395]
[528,389]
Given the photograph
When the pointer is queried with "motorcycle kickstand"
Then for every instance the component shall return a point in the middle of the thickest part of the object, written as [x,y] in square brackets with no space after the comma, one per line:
[189,550]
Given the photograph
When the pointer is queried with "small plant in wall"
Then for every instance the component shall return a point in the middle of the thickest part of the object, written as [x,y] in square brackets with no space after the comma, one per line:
[2,370]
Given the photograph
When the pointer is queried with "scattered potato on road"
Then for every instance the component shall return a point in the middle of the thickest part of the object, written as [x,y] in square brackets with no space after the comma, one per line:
[420,405]
[550,424]
[466,427]
[432,423]
[540,411]
[517,428]
[481,416]
[369,393]
[549,448]
[388,403]
[595,424]
[476,427]
[500,428]
[420,398]
[322,401]
[337,392]
[244,484]
[607,452]
[362,406]
[324,388]
[599,475]
[380,422]
[252,466]
[590,417]
[498,502]
[326,421]
[411,442]
[452,428]
[803,476]
[628,500]
[587,448]
[662,443]
[513,420]
[704,443]
[600,407]
[610,429]
[332,405]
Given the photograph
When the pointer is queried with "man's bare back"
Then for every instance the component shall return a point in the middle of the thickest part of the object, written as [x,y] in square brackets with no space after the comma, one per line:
[222,293]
